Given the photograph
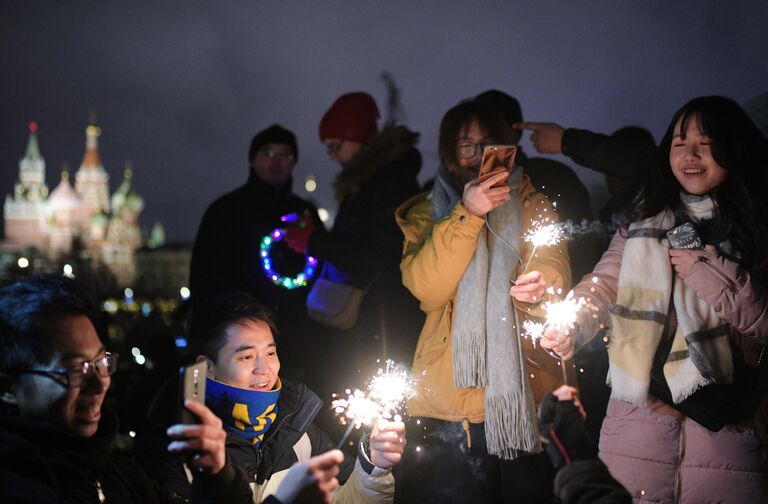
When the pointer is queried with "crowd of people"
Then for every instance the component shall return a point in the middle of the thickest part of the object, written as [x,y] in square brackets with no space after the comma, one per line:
[673,406]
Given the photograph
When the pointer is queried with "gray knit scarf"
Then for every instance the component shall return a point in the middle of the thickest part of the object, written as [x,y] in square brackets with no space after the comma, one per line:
[485,340]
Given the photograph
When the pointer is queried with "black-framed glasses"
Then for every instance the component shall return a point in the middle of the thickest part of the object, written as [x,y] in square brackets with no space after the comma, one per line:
[468,150]
[74,377]
[282,156]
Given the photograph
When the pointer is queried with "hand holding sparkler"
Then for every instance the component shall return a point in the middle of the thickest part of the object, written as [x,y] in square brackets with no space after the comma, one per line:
[387,444]
[386,392]
[557,334]
[529,287]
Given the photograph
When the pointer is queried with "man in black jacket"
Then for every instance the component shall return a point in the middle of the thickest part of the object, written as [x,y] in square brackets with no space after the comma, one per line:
[269,422]
[226,255]
[55,437]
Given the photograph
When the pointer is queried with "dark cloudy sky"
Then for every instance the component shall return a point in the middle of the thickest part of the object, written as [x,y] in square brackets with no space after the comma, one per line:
[179,87]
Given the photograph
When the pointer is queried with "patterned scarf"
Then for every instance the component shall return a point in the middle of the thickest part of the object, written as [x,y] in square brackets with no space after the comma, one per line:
[246,413]
[701,351]
[485,342]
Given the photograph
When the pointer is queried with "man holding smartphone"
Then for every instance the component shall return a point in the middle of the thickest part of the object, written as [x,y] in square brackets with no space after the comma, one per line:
[477,438]
[268,421]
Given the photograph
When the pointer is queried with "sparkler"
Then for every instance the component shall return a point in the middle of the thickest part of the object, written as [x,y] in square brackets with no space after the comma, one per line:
[562,315]
[542,235]
[386,392]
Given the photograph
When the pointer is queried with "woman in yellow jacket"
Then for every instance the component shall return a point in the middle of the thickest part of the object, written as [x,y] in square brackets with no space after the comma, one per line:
[475,430]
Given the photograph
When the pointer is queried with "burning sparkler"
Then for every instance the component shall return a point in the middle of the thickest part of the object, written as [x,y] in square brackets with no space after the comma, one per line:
[543,235]
[533,330]
[386,393]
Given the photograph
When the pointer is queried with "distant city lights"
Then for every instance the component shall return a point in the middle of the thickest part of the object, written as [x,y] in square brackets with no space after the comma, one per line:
[324,214]
[23,262]
[68,271]
[184,292]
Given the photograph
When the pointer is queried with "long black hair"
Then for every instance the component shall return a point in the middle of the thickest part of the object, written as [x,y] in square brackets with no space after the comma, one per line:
[739,148]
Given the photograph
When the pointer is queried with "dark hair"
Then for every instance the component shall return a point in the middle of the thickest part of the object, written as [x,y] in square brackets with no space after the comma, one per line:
[461,116]
[30,309]
[506,104]
[739,148]
[207,329]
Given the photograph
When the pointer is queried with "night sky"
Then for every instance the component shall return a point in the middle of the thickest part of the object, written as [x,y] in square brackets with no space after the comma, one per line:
[179,87]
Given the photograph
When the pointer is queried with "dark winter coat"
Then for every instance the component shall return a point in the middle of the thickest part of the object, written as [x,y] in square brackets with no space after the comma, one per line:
[589,482]
[226,255]
[43,463]
[293,437]
[366,244]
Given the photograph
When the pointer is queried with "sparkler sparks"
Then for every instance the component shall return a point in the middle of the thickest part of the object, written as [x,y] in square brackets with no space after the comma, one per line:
[543,235]
[533,330]
[384,397]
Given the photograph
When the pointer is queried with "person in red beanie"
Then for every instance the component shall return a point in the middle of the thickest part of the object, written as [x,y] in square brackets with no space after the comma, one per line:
[378,172]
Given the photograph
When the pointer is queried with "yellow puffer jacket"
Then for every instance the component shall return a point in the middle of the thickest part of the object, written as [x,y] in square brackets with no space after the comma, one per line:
[435,256]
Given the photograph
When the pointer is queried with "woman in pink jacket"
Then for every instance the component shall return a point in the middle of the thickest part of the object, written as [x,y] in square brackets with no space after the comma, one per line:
[682,291]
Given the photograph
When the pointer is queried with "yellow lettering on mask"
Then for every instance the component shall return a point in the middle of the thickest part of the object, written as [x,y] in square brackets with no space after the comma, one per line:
[262,419]
[241,416]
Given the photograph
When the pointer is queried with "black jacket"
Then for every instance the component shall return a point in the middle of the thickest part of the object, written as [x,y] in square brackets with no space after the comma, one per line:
[589,482]
[42,463]
[226,256]
[366,243]
[296,410]
[226,252]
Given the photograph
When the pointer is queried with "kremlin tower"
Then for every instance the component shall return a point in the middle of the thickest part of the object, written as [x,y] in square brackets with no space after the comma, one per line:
[24,211]
[76,222]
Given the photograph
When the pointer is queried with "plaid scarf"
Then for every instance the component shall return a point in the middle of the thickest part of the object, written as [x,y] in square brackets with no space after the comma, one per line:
[700,353]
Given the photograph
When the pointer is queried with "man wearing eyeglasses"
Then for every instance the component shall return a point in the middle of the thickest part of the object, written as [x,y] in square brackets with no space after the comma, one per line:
[55,436]
[226,252]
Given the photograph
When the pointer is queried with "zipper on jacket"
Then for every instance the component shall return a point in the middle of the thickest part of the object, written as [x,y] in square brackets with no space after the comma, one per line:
[465,426]
[259,451]
[680,455]
[100,491]
[719,274]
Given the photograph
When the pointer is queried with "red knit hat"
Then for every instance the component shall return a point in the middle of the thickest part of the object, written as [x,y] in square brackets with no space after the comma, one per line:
[351,117]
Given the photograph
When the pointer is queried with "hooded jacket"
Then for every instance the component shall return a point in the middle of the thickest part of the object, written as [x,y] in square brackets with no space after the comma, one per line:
[435,256]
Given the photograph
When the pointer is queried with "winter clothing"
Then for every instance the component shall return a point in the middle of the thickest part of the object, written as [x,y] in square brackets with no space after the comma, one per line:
[352,117]
[365,243]
[226,258]
[292,438]
[42,463]
[589,482]
[275,134]
[246,413]
[617,157]
[654,450]
[437,253]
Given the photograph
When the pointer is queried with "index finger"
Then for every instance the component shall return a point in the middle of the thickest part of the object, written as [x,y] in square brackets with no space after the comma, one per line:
[533,126]
[327,460]
[494,179]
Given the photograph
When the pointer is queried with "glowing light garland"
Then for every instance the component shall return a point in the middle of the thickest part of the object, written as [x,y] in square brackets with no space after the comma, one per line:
[300,280]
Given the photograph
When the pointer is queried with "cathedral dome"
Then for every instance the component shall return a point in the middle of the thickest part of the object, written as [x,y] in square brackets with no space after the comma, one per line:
[64,196]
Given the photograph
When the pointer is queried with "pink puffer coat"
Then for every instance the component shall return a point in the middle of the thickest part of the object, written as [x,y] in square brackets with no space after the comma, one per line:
[655,451]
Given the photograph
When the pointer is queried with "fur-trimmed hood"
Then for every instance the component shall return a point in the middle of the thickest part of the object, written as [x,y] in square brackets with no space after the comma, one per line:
[393,145]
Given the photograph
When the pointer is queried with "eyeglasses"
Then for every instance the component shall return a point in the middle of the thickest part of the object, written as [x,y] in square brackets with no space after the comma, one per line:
[74,377]
[283,156]
[333,147]
[470,150]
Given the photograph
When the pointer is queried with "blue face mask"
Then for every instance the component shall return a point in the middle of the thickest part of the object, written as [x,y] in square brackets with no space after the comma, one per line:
[246,413]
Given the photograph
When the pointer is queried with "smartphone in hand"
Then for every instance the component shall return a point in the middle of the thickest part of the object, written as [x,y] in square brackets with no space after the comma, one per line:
[191,386]
[497,158]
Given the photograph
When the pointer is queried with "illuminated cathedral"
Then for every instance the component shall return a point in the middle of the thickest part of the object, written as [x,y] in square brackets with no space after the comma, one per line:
[80,221]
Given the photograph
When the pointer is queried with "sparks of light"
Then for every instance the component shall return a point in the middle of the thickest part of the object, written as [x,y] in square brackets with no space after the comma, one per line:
[544,235]
[533,330]
[385,394]
[563,314]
